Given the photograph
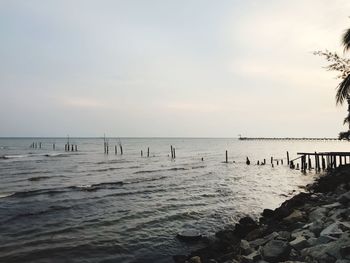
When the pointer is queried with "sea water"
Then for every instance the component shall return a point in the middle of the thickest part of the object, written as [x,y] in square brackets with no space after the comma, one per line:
[87,206]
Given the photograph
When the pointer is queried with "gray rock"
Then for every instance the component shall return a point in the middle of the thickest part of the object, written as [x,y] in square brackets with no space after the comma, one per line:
[342,261]
[335,229]
[345,251]
[344,198]
[195,259]
[245,247]
[253,257]
[299,243]
[262,241]
[333,205]
[305,233]
[316,227]
[295,216]
[284,235]
[318,214]
[276,251]
[331,249]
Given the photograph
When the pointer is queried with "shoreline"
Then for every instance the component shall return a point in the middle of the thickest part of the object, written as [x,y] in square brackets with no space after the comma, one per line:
[312,226]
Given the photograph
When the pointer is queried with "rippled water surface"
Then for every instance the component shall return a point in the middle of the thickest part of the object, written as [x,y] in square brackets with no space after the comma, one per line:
[87,206]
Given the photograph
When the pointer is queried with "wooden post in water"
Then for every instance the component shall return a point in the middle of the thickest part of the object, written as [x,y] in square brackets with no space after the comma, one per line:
[171,152]
[174,155]
[148,152]
[121,149]
[335,161]
[271,160]
[115,150]
[264,161]
[310,167]
[340,160]
[141,153]
[287,157]
[281,161]
[226,159]
[316,166]
[323,163]
[76,148]
[72,147]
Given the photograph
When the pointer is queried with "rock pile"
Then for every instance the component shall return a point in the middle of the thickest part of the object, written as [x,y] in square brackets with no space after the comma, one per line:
[309,227]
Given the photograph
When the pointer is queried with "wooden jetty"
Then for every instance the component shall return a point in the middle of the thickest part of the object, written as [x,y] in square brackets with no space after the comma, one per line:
[321,160]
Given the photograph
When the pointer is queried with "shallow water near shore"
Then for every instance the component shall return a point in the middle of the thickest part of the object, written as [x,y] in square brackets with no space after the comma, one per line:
[86,206]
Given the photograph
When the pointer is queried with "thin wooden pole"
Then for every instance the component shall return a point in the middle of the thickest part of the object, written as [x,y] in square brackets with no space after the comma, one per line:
[141,153]
[148,152]
[287,157]
[226,157]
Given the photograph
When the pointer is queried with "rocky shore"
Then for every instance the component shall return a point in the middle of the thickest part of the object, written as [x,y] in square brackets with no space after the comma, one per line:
[310,227]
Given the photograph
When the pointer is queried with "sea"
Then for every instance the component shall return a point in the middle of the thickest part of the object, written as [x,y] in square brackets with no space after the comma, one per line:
[89,206]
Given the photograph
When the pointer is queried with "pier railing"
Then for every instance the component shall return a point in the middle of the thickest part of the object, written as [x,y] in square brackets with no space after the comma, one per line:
[321,160]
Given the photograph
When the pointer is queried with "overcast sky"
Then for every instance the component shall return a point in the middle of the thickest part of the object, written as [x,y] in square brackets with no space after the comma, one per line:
[198,68]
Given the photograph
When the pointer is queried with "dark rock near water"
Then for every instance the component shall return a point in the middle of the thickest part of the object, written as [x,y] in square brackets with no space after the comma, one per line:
[245,225]
[276,251]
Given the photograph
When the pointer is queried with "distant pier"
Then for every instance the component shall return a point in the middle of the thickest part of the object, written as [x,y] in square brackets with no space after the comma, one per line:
[285,139]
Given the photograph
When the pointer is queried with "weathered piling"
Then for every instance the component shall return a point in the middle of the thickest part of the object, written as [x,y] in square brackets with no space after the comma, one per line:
[148,152]
[115,150]
[39,145]
[141,153]
[171,152]
[226,157]
[174,155]
[54,146]
[287,157]
[76,147]
[121,149]
[271,160]
[72,147]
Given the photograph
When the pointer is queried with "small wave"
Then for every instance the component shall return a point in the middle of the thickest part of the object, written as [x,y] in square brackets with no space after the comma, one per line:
[108,169]
[38,178]
[161,170]
[56,155]
[3,195]
[39,192]
[13,156]
[145,180]
[94,187]
[198,167]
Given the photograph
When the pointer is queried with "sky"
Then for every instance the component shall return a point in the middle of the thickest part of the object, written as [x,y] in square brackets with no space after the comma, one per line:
[161,68]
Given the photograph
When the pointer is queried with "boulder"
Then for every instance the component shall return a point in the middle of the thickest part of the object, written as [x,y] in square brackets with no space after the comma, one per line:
[295,216]
[335,229]
[253,257]
[245,225]
[268,213]
[316,227]
[195,259]
[245,247]
[344,198]
[345,251]
[189,235]
[276,251]
[299,243]
[262,241]
[332,249]
[318,214]
[284,235]
[305,233]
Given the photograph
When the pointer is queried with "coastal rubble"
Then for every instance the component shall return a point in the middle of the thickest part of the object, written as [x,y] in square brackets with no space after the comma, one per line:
[310,227]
